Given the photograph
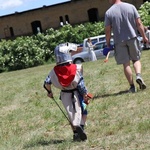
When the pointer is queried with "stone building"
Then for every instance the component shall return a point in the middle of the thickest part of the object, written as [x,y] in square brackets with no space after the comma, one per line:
[54,16]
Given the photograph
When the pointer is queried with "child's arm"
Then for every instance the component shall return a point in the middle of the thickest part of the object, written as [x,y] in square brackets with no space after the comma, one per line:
[47,86]
[83,91]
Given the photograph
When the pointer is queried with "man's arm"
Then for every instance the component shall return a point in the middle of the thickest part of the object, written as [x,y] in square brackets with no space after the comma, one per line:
[108,35]
[141,29]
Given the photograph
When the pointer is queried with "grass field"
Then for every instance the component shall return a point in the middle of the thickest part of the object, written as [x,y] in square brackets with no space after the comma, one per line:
[29,120]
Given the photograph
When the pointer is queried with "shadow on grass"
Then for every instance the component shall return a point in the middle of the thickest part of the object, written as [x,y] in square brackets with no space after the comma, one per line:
[113,94]
[42,142]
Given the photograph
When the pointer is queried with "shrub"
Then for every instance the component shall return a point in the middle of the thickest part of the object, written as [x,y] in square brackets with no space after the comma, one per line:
[25,52]
[144,12]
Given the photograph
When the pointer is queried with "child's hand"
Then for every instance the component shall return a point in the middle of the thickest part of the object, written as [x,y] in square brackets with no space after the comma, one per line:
[87,98]
[50,95]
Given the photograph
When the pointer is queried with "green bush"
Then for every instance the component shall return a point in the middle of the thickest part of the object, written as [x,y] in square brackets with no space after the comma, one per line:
[25,52]
[144,12]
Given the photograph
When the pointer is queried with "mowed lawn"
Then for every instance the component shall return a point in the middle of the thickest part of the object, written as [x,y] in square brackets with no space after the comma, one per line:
[29,120]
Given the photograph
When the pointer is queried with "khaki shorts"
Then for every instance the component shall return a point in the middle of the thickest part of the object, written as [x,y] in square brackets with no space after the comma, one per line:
[127,50]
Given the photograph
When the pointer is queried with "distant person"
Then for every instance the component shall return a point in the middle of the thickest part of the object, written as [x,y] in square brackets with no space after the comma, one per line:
[69,79]
[147,32]
[123,20]
[92,56]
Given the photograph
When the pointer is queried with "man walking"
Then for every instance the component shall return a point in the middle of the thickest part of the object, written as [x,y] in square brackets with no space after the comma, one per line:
[124,21]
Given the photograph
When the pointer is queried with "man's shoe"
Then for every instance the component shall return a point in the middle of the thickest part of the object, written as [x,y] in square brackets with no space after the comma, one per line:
[81,133]
[141,83]
[132,89]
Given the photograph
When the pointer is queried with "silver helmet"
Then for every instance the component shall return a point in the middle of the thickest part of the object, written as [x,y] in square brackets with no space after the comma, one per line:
[62,52]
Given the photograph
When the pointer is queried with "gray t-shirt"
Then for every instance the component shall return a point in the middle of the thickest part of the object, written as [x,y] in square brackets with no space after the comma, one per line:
[122,18]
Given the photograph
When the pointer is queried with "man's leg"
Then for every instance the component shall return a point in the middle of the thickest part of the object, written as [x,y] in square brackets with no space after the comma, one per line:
[128,72]
[137,66]
[129,76]
[135,54]
[139,80]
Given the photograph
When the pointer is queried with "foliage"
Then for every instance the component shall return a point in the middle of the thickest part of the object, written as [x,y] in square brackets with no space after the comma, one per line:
[144,12]
[25,52]
[21,53]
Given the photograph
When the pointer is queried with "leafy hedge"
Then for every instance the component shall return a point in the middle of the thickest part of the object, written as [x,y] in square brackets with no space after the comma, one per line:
[25,52]
[21,53]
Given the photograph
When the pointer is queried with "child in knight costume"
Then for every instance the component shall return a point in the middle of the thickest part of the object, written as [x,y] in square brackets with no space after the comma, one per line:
[68,78]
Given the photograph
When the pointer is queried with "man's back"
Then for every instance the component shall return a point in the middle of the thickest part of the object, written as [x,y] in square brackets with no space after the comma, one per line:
[122,18]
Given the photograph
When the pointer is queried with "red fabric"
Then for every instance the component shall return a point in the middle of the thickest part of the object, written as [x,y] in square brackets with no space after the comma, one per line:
[65,74]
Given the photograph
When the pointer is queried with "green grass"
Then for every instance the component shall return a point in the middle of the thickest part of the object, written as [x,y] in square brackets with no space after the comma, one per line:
[117,121]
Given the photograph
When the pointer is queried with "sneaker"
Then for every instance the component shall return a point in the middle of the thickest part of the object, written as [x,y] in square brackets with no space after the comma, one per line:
[132,89]
[81,133]
[141,83]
